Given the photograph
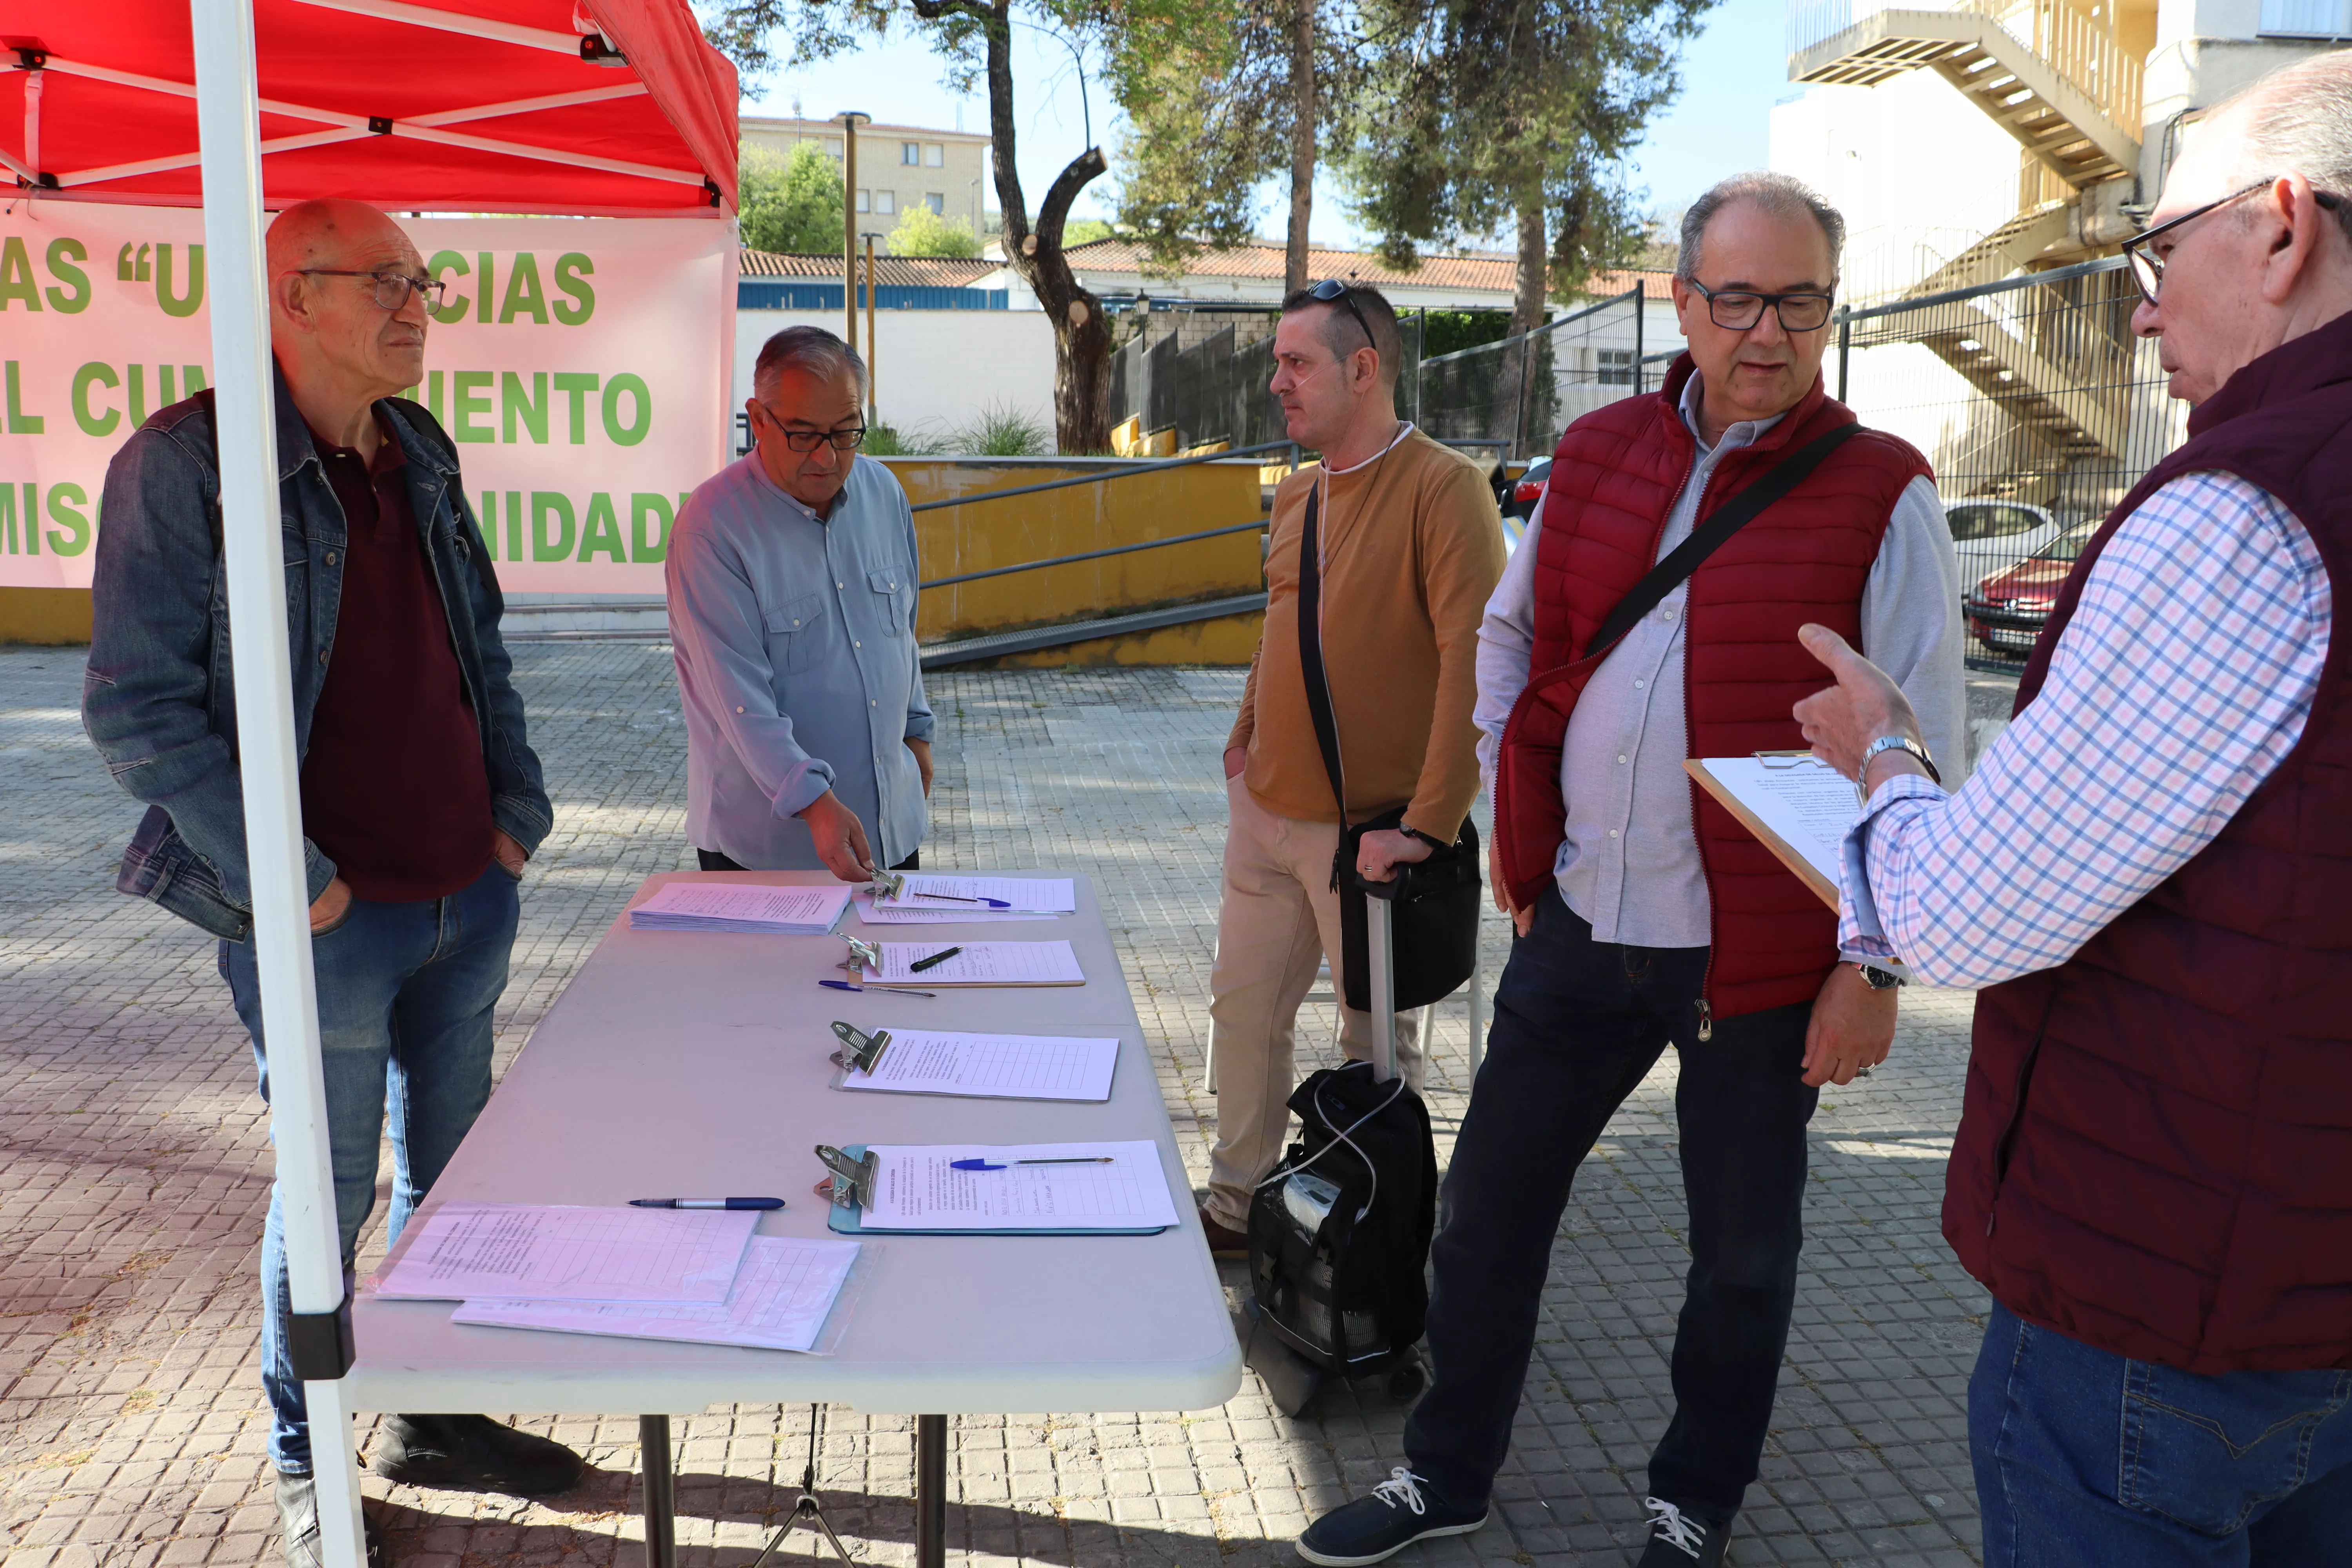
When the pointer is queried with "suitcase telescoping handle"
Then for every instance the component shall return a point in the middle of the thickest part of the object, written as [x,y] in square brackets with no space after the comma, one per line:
[1380,955]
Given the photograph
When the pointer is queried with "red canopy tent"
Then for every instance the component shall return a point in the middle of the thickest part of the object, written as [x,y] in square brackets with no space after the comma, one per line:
[614,108]
[607,107]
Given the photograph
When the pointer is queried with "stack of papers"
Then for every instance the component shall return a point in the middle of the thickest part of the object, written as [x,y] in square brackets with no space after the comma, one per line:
[665,1274]
[980,964]
[1006,1067]
[935,899]
[1113,1186]
[1800,808]
[744,907]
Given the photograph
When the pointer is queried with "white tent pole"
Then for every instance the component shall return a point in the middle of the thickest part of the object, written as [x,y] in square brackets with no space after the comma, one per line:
[229,126]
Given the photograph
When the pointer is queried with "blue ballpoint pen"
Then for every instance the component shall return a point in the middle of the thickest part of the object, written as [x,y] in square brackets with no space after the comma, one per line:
[893,990]
[706,1203]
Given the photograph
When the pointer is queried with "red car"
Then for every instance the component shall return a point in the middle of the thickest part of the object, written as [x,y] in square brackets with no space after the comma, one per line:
[2006,610]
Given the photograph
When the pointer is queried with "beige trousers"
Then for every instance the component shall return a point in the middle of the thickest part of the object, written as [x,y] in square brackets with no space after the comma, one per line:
[1278,919]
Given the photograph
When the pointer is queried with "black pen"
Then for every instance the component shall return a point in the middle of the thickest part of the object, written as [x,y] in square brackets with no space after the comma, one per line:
[940,957]
[706,1203]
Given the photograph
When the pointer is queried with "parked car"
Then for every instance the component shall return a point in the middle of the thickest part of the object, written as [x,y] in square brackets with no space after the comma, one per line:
[1518,498]
[1991,535]
[2007,608]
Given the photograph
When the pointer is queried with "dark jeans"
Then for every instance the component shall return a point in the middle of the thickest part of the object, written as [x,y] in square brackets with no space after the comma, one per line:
[405,996]
[1578,1025]
[712,861]
[2084,1460]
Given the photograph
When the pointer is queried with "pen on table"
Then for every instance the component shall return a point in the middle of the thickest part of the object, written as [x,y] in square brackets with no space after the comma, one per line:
[964,898]
[893,990]
[1076,1160]
[706,1203]
[940,957]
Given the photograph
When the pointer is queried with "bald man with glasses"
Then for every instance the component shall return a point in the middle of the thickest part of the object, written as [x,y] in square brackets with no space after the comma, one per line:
[792,609]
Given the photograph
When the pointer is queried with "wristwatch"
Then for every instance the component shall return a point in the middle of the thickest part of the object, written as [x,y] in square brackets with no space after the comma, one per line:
[1877,978]
[1897,743]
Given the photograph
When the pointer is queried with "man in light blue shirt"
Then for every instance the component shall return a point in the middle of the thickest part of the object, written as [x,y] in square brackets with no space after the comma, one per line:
[792,609]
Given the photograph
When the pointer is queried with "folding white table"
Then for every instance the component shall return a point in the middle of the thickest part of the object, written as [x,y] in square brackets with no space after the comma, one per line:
[696,1065]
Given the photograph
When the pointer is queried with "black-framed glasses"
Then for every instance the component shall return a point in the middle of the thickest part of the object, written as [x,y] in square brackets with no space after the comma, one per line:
[391,289]
[846,440]
[1739,310]
[1331,288]
[2147,267]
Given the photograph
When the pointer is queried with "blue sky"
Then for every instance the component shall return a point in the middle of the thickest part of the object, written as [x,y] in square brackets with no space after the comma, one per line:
[1731,77]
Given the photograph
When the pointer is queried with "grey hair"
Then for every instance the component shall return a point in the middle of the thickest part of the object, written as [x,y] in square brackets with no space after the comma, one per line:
[2298,121]
[1776,193]
[810,349]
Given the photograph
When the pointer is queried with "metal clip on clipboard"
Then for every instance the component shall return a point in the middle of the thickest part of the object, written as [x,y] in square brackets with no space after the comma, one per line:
[1799,758]
[888,885]
[862,952]
[851,1182]
[860,1052]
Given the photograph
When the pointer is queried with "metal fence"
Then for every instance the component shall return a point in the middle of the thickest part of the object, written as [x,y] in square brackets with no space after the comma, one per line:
[1523,391]
[2038,408]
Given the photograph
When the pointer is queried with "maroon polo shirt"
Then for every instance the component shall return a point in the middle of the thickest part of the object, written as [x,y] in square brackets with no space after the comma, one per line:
[393,789]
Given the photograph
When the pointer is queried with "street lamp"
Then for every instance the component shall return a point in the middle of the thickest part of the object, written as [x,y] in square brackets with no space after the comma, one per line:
[872,357]
[851,119]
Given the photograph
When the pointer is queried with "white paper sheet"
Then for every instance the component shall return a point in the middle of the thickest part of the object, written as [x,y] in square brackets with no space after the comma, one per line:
[544,1252]
[787,1286]
[980,964]
[919,1189]
[1810,806]
[1017,1067]
[898,915]
[744,907]
[1036,895]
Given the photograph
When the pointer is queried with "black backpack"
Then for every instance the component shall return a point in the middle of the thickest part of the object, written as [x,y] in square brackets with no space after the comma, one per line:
[1339,1232]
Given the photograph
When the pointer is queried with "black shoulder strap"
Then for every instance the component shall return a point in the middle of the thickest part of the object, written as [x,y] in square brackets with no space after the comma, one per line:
[1704,539]
[1310,658]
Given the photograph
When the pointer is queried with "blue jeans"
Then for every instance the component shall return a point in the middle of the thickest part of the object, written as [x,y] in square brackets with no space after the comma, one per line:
[1578,1025]
[406,995]
[2086,1459]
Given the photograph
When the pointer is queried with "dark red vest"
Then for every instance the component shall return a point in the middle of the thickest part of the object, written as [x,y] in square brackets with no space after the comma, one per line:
[2155,1153]
[1614,480]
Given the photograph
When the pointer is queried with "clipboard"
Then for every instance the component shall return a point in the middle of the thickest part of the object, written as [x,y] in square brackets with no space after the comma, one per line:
[1824,887]
[853,1166]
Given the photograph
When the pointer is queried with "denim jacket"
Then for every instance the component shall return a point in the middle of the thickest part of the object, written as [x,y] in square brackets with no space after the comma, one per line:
[158,699]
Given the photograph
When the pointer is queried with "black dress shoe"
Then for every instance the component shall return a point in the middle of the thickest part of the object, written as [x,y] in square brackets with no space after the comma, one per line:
[1680,1538]
[472,1454]
[297,1519]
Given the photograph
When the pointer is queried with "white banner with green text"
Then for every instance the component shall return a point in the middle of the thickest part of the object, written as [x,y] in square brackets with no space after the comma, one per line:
[581,363]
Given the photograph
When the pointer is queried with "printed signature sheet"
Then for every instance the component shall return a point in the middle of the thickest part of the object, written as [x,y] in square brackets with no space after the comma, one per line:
[1014,1066]
[918,1188]
[980,964]
[782,1297]
[470,1251]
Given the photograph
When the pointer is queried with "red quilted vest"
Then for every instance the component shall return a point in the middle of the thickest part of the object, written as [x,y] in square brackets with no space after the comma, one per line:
[2155,1152]
[1614,480]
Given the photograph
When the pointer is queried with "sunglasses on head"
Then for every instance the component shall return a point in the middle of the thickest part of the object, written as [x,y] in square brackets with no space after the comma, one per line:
[1331,288]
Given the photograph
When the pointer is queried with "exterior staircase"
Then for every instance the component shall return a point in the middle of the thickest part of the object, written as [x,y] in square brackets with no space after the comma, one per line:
[2009,249]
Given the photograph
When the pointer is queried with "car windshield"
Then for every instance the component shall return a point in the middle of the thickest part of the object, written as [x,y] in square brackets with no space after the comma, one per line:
[2068,546]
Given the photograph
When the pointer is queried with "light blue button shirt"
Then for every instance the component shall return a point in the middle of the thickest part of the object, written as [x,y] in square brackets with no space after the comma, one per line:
[796,665]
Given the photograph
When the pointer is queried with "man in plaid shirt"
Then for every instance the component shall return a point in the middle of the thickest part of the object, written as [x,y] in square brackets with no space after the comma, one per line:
[2153,1172]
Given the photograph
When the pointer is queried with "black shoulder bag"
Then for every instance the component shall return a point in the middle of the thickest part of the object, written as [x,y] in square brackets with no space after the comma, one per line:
[1434,926]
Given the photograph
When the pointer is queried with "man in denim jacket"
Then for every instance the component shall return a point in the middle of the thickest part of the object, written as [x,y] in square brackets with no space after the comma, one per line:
[421,797]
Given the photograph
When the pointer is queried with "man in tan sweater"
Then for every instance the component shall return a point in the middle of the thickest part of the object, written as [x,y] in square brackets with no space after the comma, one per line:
[1411,549]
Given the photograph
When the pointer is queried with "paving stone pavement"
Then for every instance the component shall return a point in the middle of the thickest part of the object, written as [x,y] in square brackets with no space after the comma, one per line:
[134,1172]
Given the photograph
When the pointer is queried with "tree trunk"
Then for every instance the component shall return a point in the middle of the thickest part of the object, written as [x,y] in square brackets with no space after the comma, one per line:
[1527,301]
[1302,144]
[1081,334]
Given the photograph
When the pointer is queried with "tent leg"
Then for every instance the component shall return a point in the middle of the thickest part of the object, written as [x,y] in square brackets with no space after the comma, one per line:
[930,1492]
[661,1492]
[228,127]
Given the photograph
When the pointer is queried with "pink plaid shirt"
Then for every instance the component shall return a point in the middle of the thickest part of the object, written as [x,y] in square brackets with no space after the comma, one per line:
[2184,678]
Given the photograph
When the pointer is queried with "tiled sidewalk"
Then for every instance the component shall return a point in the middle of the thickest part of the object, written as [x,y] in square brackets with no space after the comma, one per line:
[134,1170]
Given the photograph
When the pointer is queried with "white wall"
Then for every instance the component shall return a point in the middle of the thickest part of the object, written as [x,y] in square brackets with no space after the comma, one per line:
[934,369]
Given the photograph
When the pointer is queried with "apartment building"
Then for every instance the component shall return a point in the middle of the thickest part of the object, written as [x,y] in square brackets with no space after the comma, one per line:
[899,167]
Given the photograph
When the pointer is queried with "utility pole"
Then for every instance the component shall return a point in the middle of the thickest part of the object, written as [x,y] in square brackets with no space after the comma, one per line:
[850,120]
[872,357]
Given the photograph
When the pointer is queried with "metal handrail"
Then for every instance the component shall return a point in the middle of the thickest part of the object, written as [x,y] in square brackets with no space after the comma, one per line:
[1259,526]
[1976,291]
[1104,478]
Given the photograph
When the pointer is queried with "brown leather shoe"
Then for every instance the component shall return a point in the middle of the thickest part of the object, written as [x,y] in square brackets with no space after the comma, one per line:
[1224,1240]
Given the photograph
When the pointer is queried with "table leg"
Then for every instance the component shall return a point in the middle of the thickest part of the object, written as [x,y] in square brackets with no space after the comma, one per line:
[930,1492]
[661,1492]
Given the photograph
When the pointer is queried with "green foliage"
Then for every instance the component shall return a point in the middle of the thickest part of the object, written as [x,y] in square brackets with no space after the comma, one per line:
[1087,230]
[1449,332]
[923,232]
[1001,430]
[790,204]
[890,441]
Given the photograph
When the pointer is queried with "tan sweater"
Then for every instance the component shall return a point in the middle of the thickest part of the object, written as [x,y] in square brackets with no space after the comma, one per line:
[1412,547]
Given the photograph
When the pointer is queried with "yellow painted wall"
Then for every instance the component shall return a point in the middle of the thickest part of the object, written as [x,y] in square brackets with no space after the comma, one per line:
[955,539]
[45,616]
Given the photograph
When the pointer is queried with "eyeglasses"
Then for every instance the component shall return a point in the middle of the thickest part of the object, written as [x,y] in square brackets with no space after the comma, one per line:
[846,440]
[1331,288]
[391,289]
[1738,311]
[2147,267]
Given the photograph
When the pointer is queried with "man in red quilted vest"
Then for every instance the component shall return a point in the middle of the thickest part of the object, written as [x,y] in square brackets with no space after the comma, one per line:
[2153,1173]
[1646,915]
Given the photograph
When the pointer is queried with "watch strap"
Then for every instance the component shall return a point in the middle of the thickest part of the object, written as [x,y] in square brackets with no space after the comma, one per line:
[1899,744]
